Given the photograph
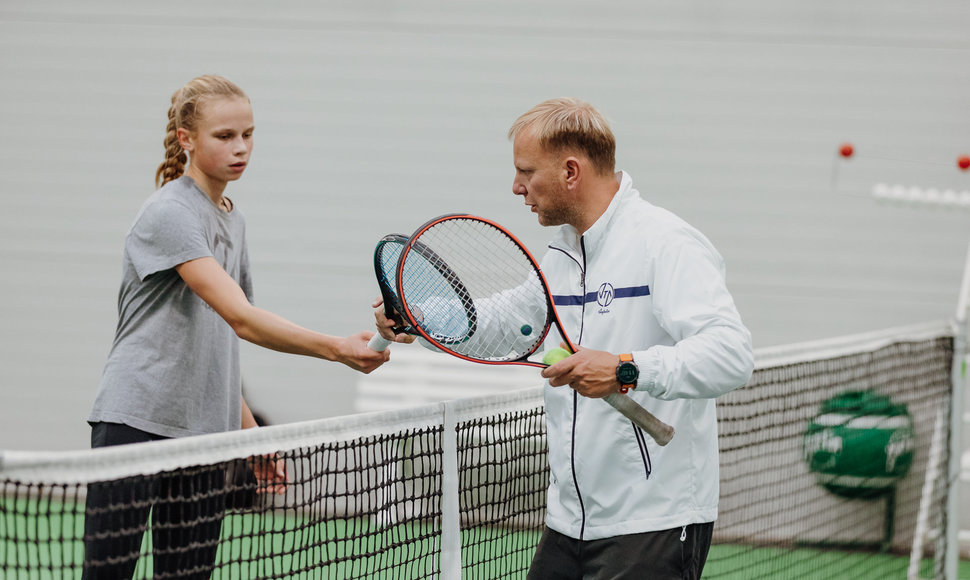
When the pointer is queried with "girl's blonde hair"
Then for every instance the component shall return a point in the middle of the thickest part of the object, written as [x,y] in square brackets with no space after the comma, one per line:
[568,123]
[185,112]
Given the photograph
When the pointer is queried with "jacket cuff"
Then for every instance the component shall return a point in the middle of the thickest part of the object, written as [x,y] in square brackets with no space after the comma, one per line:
[649,370]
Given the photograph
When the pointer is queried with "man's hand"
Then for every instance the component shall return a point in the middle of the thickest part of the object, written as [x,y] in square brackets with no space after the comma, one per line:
[385,324]
[591,373]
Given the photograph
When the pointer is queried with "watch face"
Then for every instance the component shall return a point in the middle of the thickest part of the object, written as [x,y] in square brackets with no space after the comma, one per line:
[627,373]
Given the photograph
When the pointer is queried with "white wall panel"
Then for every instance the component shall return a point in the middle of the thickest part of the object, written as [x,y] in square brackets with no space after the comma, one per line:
[374,116]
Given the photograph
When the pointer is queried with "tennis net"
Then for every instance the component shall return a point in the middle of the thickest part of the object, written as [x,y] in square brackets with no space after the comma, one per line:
[457,489]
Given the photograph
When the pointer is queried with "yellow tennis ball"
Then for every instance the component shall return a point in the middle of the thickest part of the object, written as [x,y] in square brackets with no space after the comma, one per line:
[555,355]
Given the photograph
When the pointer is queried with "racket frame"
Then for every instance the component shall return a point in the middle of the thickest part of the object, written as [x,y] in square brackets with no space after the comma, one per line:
[392,305]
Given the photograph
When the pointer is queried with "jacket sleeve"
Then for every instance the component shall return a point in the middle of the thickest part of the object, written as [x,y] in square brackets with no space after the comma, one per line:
[503,326]
[711,352]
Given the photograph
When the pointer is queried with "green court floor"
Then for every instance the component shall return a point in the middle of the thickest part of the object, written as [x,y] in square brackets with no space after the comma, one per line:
[40,542]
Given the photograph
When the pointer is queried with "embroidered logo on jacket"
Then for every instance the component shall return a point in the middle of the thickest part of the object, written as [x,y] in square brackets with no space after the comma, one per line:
[604,296]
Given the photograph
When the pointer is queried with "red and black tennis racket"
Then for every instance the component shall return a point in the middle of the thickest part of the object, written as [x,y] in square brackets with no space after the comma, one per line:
[473,290]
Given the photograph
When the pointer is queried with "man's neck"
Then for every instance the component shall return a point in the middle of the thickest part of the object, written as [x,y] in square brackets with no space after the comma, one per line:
[597,198]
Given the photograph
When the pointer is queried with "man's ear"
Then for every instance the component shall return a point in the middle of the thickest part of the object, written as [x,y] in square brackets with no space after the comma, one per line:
[185,139]
[572,171]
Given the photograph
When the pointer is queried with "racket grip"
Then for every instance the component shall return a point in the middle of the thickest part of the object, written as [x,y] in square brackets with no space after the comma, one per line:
[378,343]
[661,432]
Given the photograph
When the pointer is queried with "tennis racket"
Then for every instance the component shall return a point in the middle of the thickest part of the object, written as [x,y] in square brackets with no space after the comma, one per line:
[469,287]
[386,256]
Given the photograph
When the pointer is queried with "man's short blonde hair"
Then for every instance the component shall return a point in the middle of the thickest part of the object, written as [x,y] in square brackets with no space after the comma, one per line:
[570,124]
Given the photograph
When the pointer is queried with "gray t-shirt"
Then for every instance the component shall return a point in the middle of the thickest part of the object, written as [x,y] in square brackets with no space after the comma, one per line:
[173,369]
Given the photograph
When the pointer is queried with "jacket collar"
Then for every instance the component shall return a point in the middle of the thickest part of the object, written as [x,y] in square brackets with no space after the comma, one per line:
[568,238]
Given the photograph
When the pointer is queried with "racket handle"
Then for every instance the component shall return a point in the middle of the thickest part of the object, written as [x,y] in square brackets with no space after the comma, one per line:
[661,432]
[378,343]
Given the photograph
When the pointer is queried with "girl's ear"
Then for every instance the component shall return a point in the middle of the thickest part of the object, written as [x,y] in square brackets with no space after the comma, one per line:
[185,139]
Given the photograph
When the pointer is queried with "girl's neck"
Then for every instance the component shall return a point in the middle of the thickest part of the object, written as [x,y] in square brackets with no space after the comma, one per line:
[214,189]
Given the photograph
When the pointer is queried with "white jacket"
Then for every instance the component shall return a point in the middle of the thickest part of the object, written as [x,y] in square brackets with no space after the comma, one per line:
[641,280]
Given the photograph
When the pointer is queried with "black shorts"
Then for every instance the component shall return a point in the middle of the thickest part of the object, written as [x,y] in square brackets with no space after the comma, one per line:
[186,517]
[676,554]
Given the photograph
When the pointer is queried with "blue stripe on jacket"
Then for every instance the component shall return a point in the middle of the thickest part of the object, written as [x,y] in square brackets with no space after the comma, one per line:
[578,300]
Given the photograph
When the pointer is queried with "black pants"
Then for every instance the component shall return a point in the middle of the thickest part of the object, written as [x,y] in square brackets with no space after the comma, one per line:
[187,508]
[677,554]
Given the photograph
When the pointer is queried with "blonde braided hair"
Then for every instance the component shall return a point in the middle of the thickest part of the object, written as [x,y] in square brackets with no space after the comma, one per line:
[184,113]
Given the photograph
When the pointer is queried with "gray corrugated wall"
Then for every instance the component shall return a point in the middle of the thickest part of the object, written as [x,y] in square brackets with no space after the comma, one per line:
[373,116]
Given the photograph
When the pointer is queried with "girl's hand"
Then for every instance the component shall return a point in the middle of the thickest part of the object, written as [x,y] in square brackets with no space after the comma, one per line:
[358,356]
[270,472]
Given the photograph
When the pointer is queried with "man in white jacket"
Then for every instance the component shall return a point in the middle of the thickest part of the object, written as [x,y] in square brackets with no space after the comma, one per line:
[643,295]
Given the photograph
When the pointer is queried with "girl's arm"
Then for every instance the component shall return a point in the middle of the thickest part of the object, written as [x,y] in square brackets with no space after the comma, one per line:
[248,420]
[218,289]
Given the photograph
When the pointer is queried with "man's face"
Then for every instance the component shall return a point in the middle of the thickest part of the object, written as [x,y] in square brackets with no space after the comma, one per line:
[540,180]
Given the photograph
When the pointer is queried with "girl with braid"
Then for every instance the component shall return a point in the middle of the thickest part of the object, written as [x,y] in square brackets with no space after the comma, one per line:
[186,299]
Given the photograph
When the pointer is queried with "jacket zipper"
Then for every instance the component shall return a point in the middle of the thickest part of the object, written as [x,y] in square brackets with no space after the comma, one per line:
[572,461]
[572,449]
[572,455]
[582,279]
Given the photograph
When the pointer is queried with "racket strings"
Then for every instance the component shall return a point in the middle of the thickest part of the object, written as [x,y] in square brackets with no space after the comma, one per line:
[480,294]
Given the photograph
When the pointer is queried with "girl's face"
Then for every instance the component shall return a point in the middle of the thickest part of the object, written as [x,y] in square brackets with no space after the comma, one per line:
[220,147]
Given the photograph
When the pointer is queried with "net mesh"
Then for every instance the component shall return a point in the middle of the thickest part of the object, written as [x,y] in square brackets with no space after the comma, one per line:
[405,494]
[503,477]
[780,518]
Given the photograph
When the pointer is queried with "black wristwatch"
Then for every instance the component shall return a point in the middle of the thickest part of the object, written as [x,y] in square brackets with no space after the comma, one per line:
[627,373]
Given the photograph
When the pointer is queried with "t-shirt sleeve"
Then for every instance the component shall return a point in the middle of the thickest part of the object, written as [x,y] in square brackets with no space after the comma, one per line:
[165,235]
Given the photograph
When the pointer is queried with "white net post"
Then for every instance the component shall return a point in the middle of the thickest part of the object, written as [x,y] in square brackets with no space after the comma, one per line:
[933,468]
[450,518]
[956,425]
[950,534]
